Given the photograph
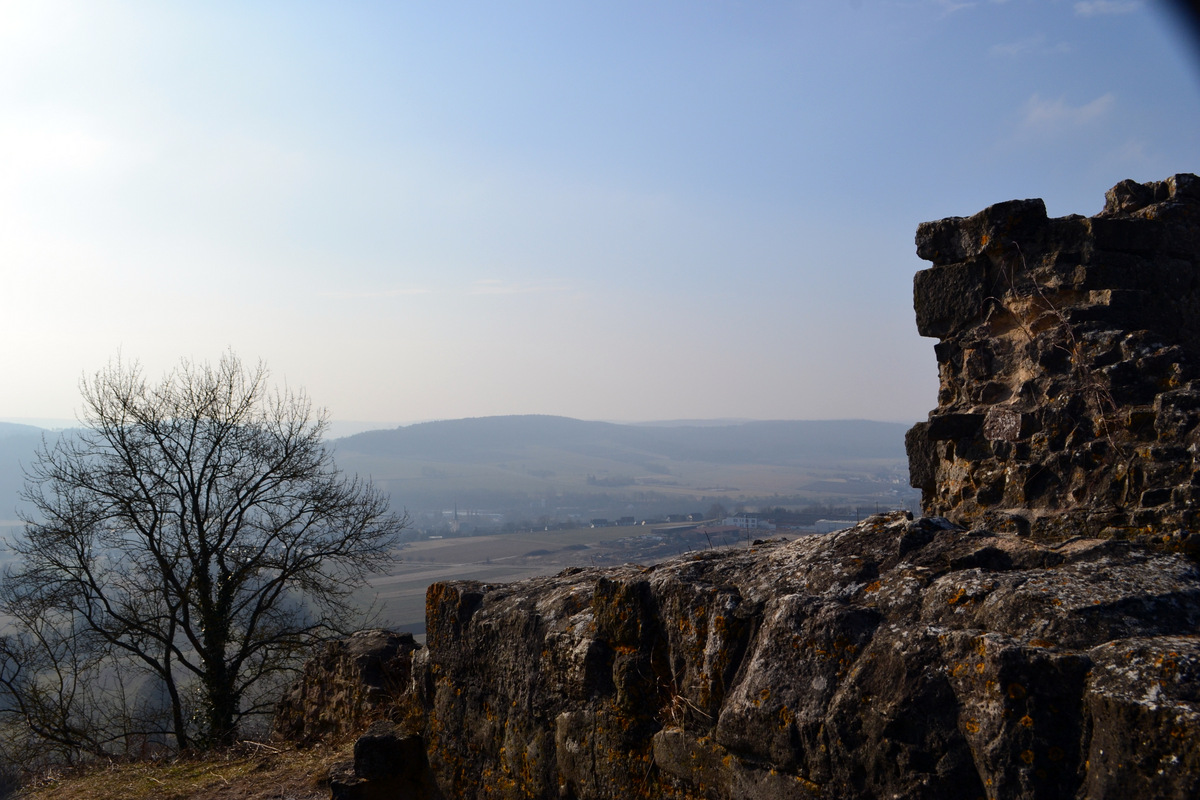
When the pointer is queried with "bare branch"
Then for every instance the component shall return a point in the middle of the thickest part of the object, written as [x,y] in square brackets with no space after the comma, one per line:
[191,540]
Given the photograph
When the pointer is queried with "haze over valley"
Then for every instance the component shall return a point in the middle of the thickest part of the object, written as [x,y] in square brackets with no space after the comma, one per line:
[502,498]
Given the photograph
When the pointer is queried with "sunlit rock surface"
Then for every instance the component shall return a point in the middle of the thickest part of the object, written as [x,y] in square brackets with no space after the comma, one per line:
[1069,357]
[900,658]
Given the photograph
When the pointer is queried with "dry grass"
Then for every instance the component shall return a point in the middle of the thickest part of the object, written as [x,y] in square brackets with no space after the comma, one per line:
[269,772]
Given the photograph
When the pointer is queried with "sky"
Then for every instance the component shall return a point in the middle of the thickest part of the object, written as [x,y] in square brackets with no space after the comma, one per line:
[625,211]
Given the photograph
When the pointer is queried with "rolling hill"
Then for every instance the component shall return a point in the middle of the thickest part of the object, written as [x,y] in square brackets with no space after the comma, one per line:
[534,467]
[516,469]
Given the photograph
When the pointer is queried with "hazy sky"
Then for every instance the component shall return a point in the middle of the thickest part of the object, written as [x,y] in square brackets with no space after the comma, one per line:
[607,210]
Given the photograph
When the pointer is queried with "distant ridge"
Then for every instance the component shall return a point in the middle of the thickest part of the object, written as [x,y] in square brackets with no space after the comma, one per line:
[18,444]
[485,439]
[533,465]
[8,429]
[689,423]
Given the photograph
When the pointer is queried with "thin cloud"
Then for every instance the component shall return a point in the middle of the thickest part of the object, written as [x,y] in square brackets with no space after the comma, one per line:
[494,286]
[1096,8]
[1030,45]
[948,7]
[1133,151]
[376,294]
[1053,116]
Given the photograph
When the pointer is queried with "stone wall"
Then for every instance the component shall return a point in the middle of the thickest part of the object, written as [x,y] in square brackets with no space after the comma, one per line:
[1069,363]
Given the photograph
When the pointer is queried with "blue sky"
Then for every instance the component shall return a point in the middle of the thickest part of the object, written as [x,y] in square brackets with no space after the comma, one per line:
[619,210]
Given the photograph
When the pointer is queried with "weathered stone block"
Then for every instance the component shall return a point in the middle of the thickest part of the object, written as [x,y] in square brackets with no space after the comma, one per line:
[954,426]
[346,686]
[388,764]
[922,457]
[1128,196]
[997,227]
[1077,367]
[947,298]
[1003,424]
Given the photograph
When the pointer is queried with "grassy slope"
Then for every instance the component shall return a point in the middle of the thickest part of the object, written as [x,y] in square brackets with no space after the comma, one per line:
[249,771]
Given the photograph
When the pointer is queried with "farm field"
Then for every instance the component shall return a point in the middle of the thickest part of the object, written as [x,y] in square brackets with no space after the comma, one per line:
[509,557]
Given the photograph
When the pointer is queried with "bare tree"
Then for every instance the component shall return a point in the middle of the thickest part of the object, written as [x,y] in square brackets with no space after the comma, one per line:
[197,531]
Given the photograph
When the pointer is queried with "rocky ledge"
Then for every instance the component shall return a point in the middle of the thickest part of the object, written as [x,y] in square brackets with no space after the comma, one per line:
[349,684]
[899,658]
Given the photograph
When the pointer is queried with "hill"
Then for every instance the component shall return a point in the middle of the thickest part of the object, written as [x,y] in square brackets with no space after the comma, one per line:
[560,468]
[18,443]
[499,439]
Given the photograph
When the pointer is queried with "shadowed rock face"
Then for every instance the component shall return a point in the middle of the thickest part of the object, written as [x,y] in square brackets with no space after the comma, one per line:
[1069,357]
[349,684]
[1047,647]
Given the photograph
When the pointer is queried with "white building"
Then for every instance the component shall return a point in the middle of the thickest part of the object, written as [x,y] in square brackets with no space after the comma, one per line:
[750,523]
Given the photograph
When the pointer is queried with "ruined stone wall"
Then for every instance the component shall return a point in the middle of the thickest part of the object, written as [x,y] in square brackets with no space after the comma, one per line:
[901,658]
[1069,362]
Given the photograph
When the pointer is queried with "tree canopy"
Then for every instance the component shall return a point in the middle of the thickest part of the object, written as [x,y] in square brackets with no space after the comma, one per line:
[183,550]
